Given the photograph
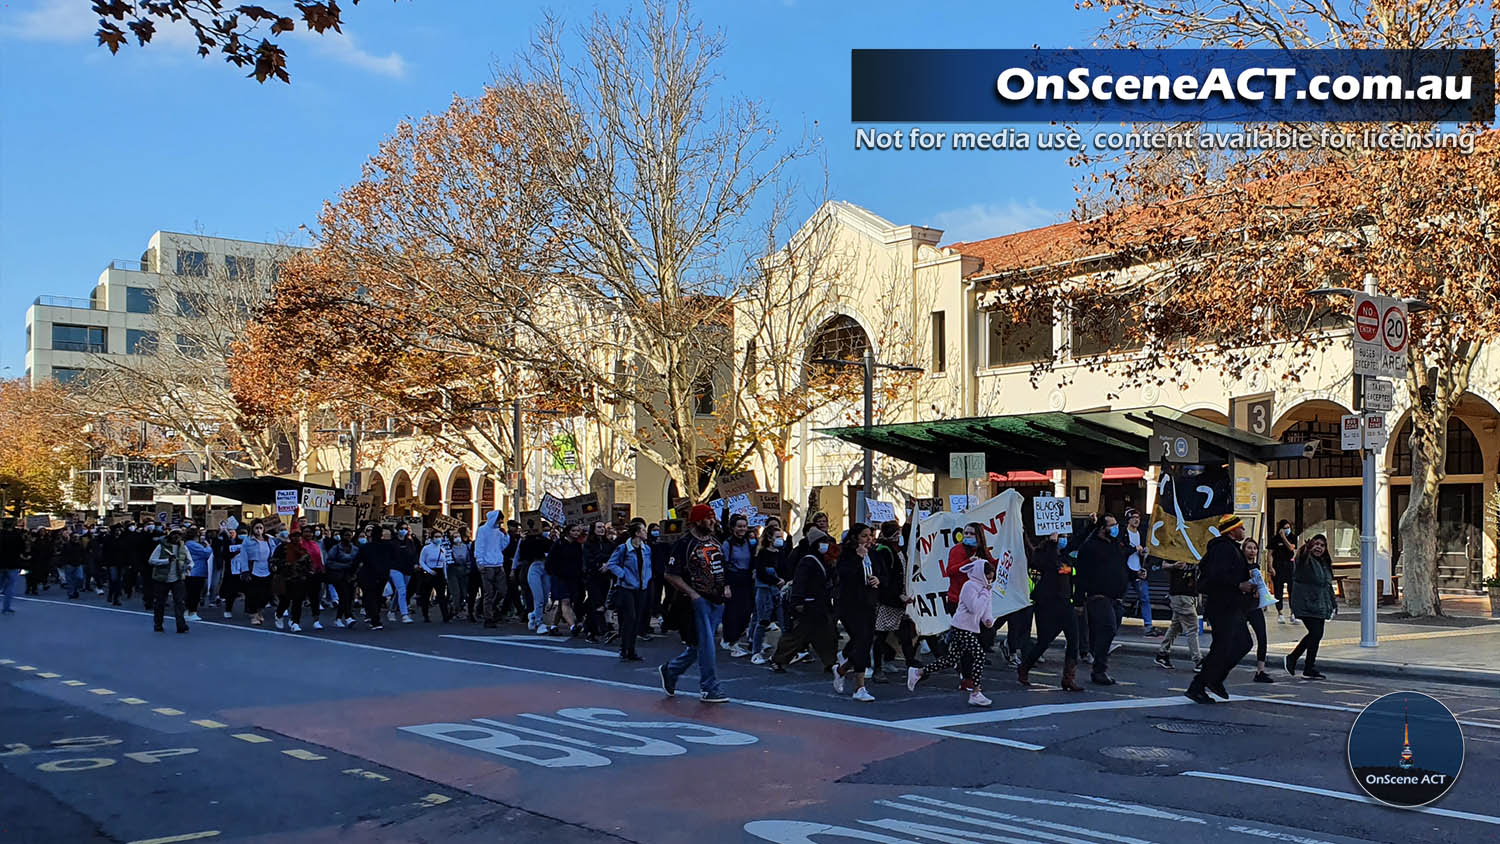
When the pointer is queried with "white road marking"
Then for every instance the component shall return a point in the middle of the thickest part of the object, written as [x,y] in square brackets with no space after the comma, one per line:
[757,704]
[304,755]
[1033,826]
[173,839]
[1042,710]
[210,723]
[1097,804]
[250,737]
[496,640]
[1339,795]
[166,710]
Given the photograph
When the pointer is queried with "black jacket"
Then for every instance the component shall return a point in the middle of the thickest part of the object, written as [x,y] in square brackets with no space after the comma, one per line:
[12,548]
[856,599]
[374,561]
[890,566]
[566,560]
[1220,574]
[809,590]
[534,548]
[1101,567]
[770,565]
[1054,574]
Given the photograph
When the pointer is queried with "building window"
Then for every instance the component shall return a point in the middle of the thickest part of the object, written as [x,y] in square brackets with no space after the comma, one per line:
[1101,328]
[139,342]
[939,341]
[703,395]
[192,263]
[1463,454]
[239,268]
[78,338]
[140,300]
[191,304]
[28,336]
[189,347]
[67,374]
[1009,344]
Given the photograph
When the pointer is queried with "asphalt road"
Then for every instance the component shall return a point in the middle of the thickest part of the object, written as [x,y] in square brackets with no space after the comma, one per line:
[432,732]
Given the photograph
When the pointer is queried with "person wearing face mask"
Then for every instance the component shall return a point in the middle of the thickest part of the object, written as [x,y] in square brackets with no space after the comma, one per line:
[433,577]
[170,564]
[975,611]
[1283,553]
[770,563]
[1103,578]
[889,559]
[1053,601]
[339,564]
[859,595]
[1140,570]
[596,552]
[533,558]
[372,571]
[403,566]
[116,553]
[202,555]
[739,558]
[251,564]
[630,563]
[809,605]
[513,602]
[293,566]
[489,556]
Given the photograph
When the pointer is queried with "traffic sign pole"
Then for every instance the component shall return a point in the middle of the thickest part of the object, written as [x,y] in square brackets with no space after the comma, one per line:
[1368,588]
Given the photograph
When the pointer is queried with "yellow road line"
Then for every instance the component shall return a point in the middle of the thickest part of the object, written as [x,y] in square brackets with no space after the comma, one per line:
[133,701]
[167,710]
[173,839]
[304,755]
[433,800]
[210,723]
[251,737]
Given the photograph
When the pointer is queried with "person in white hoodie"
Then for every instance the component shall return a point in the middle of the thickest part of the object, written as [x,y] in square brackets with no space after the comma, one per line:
[434,560]
[974,610]
[489,556]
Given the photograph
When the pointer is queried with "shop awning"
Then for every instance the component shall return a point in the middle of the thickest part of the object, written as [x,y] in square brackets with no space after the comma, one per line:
[1020,476]
[1026,442]
[258,490]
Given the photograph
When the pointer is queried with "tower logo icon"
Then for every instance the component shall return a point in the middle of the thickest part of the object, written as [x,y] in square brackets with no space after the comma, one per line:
[1406,749]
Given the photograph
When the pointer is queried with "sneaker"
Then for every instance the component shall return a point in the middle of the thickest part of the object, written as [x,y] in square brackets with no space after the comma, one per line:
[726,646]
[296,628]
[838,681]
[913,677]
[739,651]
[1156,633]
[1288,664]
[227,613]
[531,625]
[758,659]
[869,673]
[1313,674]
[377,626]
[1087,658]
[1102,680]
[1263,677]
[863,695]
[1164,661]
[668,685]
[1218,689]
[1015,660]
[339,623]
[317,625]
[801,655]
[542,629]
[192,616]
[1197,666]
[977,698]
[406,619]
[280,623]
[1114,646]
[256,620]
[714,697]
[1280,618]
[773,626]
[1197,695]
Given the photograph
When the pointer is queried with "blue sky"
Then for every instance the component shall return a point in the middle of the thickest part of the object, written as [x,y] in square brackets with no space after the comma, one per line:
[99,151]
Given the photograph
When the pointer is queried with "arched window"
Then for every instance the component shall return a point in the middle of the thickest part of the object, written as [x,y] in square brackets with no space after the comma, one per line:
[840,338]
[1330,461]
[1464,456]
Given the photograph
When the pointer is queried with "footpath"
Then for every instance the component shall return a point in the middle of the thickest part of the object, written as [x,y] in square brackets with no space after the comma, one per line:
[1457,648]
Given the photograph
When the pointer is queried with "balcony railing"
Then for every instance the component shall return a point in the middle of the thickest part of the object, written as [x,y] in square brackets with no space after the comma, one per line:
[127,264]
[76,346]
[66,302]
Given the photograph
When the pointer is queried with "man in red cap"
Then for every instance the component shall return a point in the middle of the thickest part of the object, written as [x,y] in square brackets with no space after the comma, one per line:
[1228,594]
[696,571]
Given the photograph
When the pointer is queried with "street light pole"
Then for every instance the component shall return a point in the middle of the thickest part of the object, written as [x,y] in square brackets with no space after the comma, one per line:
[519,455]
[870,365]
[1368,595]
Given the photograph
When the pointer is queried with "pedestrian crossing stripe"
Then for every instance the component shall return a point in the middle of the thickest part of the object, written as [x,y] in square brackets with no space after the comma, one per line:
[167,710]
[7,662]
[251,737]
[209,723]
[48,675]
[74,683]
[304,755]
[101,691]
[433,800]
[133,701]
[25,667]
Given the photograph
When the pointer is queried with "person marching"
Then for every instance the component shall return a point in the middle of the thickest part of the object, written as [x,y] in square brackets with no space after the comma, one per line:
[1104,578]
[809,603]
[890,614]
[339,564]
[170,564]
[1228,592]
[975,611]
[1312,603]
[696,571]
[859,595]
[630,563]
[1257,614]
[1053,600]
[1182,593]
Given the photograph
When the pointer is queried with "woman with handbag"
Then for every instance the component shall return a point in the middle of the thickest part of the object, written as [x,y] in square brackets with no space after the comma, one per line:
[1312,602]
[1257,615]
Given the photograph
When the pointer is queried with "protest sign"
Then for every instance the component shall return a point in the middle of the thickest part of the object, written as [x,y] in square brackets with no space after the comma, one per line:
[530,519]
[581,507]
[880,511]
[551,508]
[342,516]
[34,522]
[619,514]
[272,524]
[215,519]
[318,500]
[959,503]
[740,482]
[442,523]
[923,507]
[933,538]
[1051,514]
[671,527]
[766,503]
[739,504]
[286,502]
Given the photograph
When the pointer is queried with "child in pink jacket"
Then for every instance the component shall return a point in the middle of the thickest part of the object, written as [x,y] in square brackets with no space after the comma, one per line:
[974,609]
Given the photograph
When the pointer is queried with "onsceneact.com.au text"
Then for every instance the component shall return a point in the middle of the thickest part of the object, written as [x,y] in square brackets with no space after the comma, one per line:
[1253,84]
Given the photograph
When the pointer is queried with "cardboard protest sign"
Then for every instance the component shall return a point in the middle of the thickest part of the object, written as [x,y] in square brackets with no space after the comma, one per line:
[619,514]
[272,524]
[551,508]
[740,482]
[286,502]
[880,511]
[921,508]
[671,527]
[934,537]
[317,500]
[767,503]
[443,523]
[343,516]
[530,519]
[581,507]
[1051,514]
[960,503]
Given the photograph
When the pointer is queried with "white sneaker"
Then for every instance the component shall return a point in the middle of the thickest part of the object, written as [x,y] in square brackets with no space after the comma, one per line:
[978,699]
[192,616]
[338,622]
[543,629]
[801,655]
[531,625]
[863,694]
[838,681]
[869,673]
[726,646]
[738,652]
[317,625]
[1280,618]
[280,623]
[772,626]
[228,614]
[758,659]
[913,677]
[406,619]
[296,628]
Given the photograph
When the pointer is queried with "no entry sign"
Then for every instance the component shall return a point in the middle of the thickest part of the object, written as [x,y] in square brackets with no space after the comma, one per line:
[1380,335]
[1367,320]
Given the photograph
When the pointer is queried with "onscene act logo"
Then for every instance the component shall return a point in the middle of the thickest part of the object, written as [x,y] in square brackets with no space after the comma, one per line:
[1406,749]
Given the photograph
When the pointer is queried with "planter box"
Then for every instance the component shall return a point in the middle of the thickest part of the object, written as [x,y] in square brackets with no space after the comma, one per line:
[1495,601]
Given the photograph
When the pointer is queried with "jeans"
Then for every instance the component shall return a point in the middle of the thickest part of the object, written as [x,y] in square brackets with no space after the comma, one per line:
[458,589]
[536,577]
[159,603]
[492,591]
[767,610]
[706,618]
[72,580]
[8,579]
[113,595]
[398,586]
[629,610]
[1143,592]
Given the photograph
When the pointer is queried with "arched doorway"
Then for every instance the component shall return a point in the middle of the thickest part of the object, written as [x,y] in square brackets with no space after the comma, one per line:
[430,495]
[378,493]
[461,496]
[1460,505]
[1321,494]
[400,491]
[842,338]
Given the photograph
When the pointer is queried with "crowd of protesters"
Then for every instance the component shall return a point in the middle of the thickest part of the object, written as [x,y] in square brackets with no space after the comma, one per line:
[718,586]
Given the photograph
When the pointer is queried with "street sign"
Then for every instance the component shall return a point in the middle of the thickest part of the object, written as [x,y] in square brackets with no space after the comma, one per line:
[1377,395]
[1380,336]
[1172,447]
[966,464]
[1252,413]
[1351,432]
[1375,431]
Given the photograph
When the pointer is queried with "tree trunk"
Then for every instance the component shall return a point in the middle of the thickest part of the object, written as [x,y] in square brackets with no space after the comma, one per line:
[1418,525]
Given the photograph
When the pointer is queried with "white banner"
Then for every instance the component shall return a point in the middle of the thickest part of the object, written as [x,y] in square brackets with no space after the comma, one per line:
[934,536]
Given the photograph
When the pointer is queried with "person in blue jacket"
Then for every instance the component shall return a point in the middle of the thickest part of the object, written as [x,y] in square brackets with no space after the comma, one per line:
[630,563]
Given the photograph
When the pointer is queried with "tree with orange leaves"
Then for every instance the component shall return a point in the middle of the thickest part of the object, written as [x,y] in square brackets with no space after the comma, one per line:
[1220,255]
[44,443]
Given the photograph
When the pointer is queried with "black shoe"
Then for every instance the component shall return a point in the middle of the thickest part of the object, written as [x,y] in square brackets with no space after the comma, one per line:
[182,630]
[377,627]
[1218,689]
[668,685]
[1263,677]
[777,668]
[1313,674]
[1197,666]
[1164,661]
[1289,664]
[1197,695]
[714,697]
[158,630]
[1102,680]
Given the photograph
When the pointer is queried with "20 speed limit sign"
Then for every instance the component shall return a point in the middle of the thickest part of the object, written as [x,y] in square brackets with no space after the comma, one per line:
[1393,328]
[1380,336]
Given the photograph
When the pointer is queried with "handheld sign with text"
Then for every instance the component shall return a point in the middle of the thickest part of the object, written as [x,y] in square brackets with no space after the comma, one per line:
[342,516]
[931,541]
[318,500]
[880,511]
[552,508]
[443,523]
[1051,514]
[286,502]
[739,482]
[619,514]
[581,507]
[959,503]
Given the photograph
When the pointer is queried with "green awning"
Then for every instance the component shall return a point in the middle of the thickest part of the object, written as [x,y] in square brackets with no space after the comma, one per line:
[1093,439]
